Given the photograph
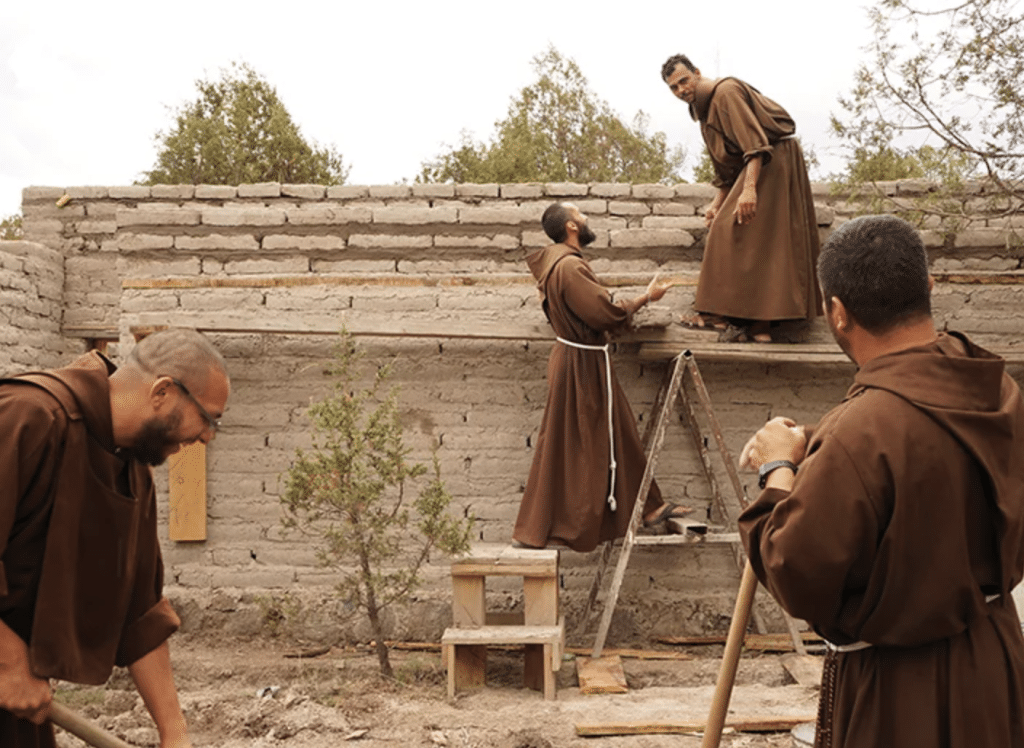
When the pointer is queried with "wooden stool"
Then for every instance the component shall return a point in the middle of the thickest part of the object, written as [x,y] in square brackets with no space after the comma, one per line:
[539,627]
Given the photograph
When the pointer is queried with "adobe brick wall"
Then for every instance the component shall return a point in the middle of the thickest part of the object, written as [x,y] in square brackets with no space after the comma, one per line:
[301,255]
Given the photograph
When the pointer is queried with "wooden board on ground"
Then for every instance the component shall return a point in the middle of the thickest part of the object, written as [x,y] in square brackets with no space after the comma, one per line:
[760,642]
[741,724]
[601,675]
[805,669]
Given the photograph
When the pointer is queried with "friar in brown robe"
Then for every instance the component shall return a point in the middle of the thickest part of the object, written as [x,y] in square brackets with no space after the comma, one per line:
[901,534]
[81,575]
[762,242]
[576,494]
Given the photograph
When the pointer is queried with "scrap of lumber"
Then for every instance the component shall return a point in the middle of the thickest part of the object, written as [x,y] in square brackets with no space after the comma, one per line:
[740,724]
[603,675]
[760,642]
[635,654]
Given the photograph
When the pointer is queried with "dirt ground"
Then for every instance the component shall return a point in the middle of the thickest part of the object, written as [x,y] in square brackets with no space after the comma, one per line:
[255,694]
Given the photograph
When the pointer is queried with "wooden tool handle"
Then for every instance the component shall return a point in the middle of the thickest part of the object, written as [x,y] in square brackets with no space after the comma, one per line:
[80,727]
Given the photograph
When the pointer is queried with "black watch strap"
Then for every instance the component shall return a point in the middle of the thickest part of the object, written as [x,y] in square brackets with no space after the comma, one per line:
[765,470]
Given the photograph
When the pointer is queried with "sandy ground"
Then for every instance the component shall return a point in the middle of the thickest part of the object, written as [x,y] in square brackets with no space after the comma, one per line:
[249,694]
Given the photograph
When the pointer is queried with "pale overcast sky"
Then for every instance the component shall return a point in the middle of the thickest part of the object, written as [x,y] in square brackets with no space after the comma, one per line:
[84,86]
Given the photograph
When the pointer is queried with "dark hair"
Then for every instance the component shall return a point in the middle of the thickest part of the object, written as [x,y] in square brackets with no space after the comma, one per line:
[671,62]
[554,219]
[877,266]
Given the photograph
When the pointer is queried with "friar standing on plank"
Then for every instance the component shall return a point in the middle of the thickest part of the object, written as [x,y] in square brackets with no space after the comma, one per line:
[896,528]
[81,575]
[589,462]
[762,241]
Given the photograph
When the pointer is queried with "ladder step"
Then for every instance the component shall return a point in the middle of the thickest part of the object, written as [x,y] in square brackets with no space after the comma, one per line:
[688,538]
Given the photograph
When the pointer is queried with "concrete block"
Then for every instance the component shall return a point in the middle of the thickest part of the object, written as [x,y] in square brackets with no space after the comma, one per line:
[473,190]
[328,215]
[38,194]
[137,242]
[641,238]
[500,214]
[386,241]
[347,192]
[243,216]
[914,187]
[565,189]
[44,228]
[414,216]
[611,189]
[157,216]
[133,302]
[304,191]
[477,241]
[623,208]
[221,299]
[457,267]
[933,239]
[980,238]
[97,227]
[690,223]
[290,265]
[102,211]
[824,215]
[522,190]
[129,192]
[216,192]
[173,191]
[87,193]
[242,242]
[676,209]
[700,191]
[336,267]
[653,191]
[589,207]
[287,241]
[440,191]
[391,191]
[261,189]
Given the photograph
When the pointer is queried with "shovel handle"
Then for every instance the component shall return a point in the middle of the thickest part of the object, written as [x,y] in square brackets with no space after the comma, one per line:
[73,722]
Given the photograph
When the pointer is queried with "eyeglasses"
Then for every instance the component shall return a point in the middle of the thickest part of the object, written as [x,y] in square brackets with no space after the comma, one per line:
[214,423]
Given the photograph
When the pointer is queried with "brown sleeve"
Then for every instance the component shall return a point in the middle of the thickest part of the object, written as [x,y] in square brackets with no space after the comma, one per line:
[31,428]
[740,123]
[808,544]
[587,298]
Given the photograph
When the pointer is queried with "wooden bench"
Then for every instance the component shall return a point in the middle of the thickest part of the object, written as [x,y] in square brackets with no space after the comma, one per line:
[539,628]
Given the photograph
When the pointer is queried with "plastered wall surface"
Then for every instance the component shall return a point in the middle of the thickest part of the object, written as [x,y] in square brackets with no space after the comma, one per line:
[277,268]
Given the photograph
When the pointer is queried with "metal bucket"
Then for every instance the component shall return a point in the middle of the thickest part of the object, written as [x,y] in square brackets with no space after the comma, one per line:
[803,735]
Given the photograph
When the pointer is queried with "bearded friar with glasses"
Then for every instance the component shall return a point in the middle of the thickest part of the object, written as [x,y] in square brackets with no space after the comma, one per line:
[81,576]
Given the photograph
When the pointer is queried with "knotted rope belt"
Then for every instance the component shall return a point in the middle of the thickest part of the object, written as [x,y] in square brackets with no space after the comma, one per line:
[612,504]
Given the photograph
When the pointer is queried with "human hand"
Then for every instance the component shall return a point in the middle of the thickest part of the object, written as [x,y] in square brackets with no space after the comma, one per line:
[746,206]
[779,439]
[655,290]
[22,693]
[709,215]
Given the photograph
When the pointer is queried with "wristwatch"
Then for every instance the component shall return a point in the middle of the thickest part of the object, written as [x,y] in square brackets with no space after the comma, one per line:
[765,470]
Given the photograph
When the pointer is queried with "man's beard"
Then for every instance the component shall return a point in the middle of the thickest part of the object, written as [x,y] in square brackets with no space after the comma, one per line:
[153,444]
[586,235]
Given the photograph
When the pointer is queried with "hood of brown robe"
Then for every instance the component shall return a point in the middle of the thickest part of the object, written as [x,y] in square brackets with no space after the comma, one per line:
[969,395]
[542,262]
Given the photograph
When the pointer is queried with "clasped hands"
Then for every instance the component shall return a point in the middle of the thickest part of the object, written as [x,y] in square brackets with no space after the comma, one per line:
[779,439]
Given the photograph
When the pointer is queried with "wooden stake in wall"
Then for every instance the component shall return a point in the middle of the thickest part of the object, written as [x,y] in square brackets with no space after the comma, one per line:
[187,489]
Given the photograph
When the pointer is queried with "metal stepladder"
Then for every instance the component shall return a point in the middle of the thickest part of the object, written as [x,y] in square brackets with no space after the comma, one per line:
[673,391]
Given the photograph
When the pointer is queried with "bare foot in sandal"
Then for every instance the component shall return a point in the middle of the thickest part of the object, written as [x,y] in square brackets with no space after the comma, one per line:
[703,321]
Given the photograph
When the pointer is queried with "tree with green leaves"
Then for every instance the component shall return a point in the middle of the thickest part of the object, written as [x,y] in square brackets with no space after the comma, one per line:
[349,493]
[558,130]
[237,131]
[10,227]
[940,97]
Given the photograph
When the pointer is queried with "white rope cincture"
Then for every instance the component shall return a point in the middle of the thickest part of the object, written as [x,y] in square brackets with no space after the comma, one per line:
[612,504]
